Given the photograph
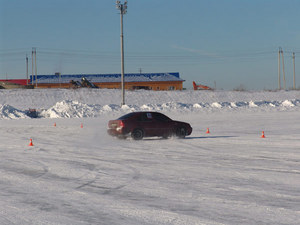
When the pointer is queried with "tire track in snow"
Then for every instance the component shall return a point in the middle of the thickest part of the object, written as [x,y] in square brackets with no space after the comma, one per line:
[111,174]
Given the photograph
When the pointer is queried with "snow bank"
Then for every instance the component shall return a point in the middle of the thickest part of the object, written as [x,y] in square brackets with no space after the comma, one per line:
[9,112]
[64,103]
[75,109]
[71,109]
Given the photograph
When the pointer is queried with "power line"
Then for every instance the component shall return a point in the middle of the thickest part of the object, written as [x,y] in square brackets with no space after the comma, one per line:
[87,56]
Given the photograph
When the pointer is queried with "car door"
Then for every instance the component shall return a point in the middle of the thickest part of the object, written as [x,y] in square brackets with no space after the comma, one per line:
[146,122]
[162,123]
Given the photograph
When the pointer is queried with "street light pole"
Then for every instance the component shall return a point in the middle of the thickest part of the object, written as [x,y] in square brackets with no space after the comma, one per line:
[123,10]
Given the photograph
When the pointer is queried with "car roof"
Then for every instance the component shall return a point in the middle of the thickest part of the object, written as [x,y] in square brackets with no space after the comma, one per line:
[140,112]
[137,113]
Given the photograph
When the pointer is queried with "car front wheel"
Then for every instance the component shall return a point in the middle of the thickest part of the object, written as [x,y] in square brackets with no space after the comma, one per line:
[181,132]
[137,134]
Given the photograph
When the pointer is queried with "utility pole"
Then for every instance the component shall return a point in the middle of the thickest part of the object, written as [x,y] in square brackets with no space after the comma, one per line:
[123,10]
[283,72]
[279,80]
[32,73]
[26,69]
[294,80]
[35,69]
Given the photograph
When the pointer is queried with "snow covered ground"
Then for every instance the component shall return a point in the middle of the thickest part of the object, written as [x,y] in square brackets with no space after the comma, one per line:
[75,175]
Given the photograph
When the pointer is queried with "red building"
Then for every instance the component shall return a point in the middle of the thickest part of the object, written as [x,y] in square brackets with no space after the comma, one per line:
[16,81]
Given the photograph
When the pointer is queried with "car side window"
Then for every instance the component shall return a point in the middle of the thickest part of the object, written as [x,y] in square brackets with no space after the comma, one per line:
[161,117]
[145,117]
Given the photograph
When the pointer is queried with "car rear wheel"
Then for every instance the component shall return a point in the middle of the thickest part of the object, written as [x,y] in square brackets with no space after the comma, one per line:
[137,134]
[181,132]
[166,135]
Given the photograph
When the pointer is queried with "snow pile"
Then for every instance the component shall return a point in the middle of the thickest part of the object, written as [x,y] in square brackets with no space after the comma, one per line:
[288,103]
[9,112]
[75,109]
[70,109]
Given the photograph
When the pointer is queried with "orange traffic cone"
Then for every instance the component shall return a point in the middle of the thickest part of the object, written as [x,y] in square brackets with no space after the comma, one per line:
[81,126]
[207,131]
[55,124]
[30,144]
[262,135]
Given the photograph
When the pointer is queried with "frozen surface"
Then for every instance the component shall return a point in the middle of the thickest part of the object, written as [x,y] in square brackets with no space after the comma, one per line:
[75,175]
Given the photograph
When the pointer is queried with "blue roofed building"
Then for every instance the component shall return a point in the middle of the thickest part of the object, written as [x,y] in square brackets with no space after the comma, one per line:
[133,81]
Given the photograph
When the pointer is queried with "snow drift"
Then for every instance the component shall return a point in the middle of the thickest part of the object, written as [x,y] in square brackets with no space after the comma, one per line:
[87,103]
[9,112]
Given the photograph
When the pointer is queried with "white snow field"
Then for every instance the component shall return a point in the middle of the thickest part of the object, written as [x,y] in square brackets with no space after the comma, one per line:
[75,175]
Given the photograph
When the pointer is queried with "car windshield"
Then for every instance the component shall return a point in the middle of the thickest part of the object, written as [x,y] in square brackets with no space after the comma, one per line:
[126,116]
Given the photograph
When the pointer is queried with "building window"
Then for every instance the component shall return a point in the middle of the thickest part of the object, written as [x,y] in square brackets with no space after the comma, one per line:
[140,87]
[171,88]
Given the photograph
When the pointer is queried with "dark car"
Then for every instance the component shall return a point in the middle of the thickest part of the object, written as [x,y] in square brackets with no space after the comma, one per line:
[147,124]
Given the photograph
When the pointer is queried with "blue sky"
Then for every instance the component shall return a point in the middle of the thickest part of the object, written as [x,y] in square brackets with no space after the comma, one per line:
[230,42]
